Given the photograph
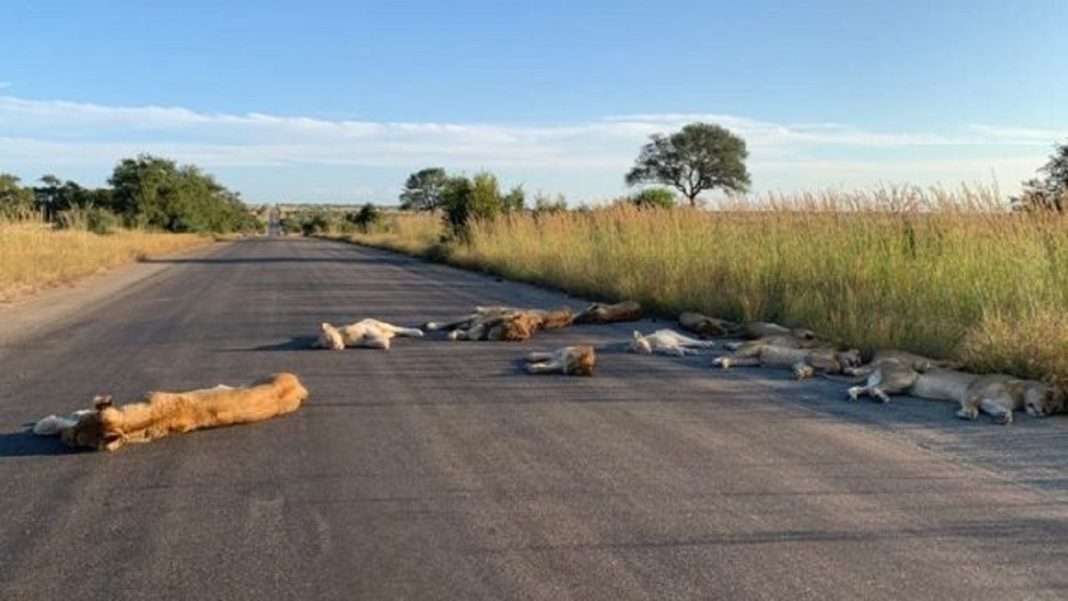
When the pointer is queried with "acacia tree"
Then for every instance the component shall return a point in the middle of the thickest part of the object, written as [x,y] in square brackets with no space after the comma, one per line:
[699,157]
[1049,193]
[423,190]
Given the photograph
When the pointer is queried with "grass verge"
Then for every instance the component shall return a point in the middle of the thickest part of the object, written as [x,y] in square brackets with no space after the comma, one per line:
[33,256]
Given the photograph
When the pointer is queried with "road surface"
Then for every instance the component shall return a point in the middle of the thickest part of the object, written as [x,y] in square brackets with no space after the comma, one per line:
[439,471]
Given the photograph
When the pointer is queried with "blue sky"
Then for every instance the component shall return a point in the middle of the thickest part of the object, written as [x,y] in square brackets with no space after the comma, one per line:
[333,101]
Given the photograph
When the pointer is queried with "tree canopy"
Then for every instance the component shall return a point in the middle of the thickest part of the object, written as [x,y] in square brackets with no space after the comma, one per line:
[699,157]
[156,192]
[476,199]
[423,190]
[1049,192]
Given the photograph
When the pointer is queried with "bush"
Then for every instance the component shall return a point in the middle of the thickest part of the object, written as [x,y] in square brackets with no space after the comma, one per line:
[316,223]
[654,198]
[102,221]
[96,220]
[161,194]
[477,199]
[366,218]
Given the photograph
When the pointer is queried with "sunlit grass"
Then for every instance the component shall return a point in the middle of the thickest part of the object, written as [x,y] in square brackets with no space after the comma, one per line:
[33,256]
[950,274]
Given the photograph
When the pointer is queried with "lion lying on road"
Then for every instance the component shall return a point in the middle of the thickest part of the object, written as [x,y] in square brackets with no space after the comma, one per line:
[999,395]
[709,326]
[107,428]
[601,313]
[504,323]
[668,342]
[369,333]
[804,362]
[712,326]
[897,372]
[569,360]
[996,395]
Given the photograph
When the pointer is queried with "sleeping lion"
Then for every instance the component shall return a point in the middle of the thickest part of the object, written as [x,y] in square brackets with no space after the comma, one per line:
[503,323]
[667,342]
[803,362]
[107,428]
[569,360]
[601,313]
[368,333]
[999,395]
[715,327]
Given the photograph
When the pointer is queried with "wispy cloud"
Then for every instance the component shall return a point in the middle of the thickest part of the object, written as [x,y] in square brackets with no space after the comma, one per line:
[46,134]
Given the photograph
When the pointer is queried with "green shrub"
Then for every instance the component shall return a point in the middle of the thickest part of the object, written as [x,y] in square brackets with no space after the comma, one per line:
[366,218]
[654,198]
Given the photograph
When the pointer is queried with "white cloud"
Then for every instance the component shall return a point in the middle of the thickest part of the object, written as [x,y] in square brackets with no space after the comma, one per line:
[45,135]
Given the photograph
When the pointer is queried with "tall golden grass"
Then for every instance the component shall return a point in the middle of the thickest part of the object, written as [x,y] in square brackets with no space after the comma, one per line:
[950,274]
[33,256]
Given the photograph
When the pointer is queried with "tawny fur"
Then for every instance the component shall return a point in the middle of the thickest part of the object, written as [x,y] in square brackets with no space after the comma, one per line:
[803,362]
[164,413]
[891,372]
[999,395]
[504,323]
[896,377]
[709,326]
[604,313]
[569,360]
[751,348]
[760,329]
[668,342]
[368,333]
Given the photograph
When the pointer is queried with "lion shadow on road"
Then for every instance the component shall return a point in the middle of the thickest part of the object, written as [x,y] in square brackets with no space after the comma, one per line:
[25,444]
[297,343]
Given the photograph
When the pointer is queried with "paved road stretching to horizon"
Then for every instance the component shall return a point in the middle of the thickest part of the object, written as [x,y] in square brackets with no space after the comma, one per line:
[439,471]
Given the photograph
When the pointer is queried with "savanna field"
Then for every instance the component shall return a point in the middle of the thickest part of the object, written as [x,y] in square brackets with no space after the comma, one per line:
[950,274]
[35,256]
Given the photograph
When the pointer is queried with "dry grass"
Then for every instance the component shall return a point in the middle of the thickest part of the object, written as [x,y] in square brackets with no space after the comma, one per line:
[34,256]
[409,233]
[950,274]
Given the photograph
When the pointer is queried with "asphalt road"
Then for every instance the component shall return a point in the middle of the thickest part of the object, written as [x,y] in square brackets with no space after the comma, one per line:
[439,471]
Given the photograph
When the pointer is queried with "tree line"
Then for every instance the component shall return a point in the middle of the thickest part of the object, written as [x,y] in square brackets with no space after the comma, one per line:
[698,158]
[145,192]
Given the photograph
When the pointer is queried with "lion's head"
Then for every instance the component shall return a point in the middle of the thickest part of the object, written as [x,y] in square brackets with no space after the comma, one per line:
[582,361]
[518,327]
[1042,399]
[95,429]
[330,338]
[640,344]
[850,358]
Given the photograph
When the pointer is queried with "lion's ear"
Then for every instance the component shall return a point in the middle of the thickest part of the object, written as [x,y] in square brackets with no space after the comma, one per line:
[637,334]
[101,402]
[326,327]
